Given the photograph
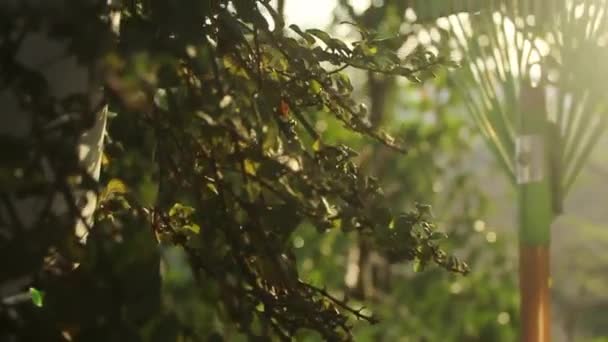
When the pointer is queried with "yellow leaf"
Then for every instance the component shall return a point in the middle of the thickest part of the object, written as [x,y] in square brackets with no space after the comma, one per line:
[213,188]
[316,146]
[181,210]
[115,186]
[105,161]
[250,167]
[315,86]
[195,228]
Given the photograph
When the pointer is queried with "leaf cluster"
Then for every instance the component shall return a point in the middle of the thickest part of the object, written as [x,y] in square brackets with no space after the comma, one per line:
[219,94]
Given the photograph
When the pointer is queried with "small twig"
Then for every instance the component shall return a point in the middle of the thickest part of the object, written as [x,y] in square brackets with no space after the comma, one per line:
[342,304]
[335,71]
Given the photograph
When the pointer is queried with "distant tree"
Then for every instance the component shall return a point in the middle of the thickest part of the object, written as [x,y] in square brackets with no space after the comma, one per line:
[212,150]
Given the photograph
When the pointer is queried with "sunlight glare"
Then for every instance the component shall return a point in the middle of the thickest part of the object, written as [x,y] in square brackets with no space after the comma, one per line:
[310,13]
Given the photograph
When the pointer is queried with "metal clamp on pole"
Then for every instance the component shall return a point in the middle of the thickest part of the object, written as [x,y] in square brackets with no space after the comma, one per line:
[529,159]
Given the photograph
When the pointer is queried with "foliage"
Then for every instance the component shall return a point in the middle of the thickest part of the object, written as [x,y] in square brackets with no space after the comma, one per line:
[429,305]
[213,152]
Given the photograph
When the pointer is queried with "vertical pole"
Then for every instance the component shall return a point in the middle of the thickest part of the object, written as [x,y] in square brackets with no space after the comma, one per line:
[535,300]
[535,216]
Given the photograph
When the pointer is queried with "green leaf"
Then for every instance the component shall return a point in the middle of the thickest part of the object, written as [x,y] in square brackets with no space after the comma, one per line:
[332,43]
[195,228]
[307,37]
[250,167]
[368,50]
[279,23]
[315,86]
[37,297]
[234,67]
[250,13]
[322,35]
[338,45]
[213,188]
[316,146]
[179,209]
[115,186]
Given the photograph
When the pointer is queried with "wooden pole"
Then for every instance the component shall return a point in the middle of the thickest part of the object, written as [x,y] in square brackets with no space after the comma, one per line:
[535,299]
[536,213]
